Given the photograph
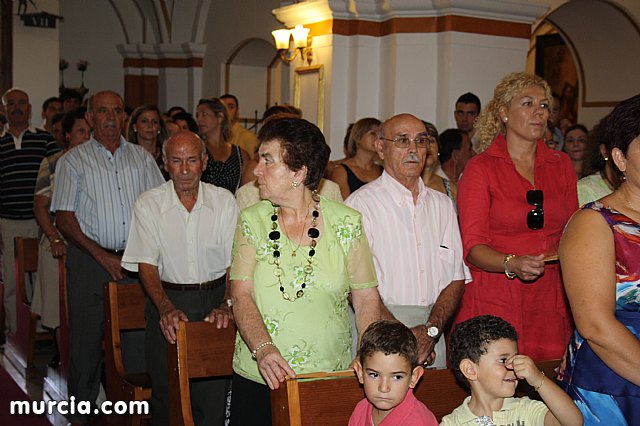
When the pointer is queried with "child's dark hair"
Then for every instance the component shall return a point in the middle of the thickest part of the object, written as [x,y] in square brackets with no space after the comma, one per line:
[389,337]
[470,339]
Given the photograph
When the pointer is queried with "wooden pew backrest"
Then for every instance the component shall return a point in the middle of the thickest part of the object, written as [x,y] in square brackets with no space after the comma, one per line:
[201,350]
[24,340]
[124,310]
[330,402]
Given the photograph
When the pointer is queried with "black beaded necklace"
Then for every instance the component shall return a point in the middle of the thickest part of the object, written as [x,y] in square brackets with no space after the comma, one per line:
[312,233]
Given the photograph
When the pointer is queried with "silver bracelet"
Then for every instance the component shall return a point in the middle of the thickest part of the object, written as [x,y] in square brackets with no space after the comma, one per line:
[254,352]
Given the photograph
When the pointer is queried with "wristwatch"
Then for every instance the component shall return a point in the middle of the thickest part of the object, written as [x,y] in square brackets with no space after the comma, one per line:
[432,330]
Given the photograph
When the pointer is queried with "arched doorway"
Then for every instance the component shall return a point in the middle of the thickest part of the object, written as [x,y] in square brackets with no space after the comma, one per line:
[604,41]
[256,77]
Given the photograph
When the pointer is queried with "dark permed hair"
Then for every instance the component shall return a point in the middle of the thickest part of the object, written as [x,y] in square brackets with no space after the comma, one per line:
[470,338]
[301,144]
[622,126]
[69,119]
[389,337]
[188,118]
[450,140]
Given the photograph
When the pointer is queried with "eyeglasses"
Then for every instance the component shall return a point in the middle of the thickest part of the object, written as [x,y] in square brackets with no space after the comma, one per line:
[421,141]
[535,218]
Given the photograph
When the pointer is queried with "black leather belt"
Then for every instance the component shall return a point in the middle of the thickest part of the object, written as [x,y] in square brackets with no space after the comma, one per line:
[117,252]
[209,285]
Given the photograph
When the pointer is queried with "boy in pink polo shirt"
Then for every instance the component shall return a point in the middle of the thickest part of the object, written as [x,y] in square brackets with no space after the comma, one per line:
[388,368]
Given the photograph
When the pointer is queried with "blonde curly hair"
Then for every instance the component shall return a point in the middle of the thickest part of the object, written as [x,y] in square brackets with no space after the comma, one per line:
[489,125]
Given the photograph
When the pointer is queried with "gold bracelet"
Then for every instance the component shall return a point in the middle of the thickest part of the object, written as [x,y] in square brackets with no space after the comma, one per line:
[510,275]
[56,238]
[541,383]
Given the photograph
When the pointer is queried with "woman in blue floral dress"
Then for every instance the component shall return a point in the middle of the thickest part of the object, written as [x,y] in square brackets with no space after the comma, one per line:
[600,258]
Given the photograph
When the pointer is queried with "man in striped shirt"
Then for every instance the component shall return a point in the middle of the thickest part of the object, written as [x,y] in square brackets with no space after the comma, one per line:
[22,149]
[96,186]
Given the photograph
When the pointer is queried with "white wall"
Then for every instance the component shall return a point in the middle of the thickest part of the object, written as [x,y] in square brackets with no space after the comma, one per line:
[249,85]
[91,31]
[228,24]
[421,74]
[365,76]
[473,63]
[35,58]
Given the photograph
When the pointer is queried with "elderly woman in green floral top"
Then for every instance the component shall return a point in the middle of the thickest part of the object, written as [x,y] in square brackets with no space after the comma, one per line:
[296,258]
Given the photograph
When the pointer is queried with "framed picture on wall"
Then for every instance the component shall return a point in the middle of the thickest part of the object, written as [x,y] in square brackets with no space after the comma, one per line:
[554,62]
[308,93]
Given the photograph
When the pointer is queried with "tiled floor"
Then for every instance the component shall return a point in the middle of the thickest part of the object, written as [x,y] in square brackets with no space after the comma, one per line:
[32,382]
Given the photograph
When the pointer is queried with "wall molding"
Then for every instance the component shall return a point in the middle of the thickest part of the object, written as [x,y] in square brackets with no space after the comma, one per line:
[163,62]
[419,25]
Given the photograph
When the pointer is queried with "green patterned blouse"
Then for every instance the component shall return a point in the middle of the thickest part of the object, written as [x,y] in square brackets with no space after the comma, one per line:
[313,333]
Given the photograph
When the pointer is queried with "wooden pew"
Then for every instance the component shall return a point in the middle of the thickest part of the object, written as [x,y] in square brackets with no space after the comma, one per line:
[123,310]
[24,340]
[302,402]
[201,350]
[55,382]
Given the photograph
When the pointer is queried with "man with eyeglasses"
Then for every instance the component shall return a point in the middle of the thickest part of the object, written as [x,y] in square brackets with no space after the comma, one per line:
[414,236]
[22,148]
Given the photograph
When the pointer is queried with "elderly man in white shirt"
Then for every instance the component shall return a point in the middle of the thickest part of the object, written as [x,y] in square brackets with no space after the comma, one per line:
[414,236]
[180,243]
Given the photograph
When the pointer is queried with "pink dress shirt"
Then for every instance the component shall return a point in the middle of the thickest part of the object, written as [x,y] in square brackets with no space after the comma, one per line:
[417,249]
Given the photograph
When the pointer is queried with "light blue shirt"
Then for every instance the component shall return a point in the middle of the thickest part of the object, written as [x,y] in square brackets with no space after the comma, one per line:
[101,188]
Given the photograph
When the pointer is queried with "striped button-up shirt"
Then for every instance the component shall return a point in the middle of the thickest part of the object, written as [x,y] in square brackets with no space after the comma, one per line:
[101,187]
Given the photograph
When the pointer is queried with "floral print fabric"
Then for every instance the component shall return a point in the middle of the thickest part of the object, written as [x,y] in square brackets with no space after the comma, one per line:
[313,333]
[603,396]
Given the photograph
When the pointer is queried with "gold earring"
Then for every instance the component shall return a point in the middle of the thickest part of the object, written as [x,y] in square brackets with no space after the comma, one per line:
[295,184]
[606,158]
